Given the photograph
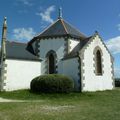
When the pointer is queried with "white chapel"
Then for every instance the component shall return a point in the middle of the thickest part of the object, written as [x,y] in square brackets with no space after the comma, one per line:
[59,49]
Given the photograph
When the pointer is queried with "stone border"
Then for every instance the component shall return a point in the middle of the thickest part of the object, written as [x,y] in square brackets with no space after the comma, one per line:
[79,74]
[95,61]
[112,72]
[37,47]
[55,57]
[3,76]
[82,71]
[66,48]
[69,45]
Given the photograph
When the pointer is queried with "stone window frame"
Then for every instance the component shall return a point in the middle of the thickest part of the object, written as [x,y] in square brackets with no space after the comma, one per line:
[95,61]
[55,60]
[37,47]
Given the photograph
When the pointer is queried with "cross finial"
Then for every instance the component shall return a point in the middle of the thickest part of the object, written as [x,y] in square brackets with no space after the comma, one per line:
[5,22]
[60,13]
[96,32]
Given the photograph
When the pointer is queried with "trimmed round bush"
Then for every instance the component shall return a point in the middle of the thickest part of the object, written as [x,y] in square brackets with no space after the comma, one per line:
[52,83]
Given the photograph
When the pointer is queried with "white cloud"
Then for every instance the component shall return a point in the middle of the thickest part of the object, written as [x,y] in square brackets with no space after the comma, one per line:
[118,26]
[46,14]
[26,2]
[114,45]
[23,34]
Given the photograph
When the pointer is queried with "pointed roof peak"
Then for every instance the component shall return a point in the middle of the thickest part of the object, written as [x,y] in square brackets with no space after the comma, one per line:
[61,28]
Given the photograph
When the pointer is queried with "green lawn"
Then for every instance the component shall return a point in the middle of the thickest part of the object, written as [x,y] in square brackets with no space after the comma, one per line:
[75,106]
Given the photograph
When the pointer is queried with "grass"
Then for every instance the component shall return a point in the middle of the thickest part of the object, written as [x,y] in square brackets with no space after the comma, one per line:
[74,106]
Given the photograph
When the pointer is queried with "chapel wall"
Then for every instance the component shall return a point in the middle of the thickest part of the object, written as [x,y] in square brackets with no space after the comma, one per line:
[58,45]
[71,68]
[91,81]
[19,73]
[73,43]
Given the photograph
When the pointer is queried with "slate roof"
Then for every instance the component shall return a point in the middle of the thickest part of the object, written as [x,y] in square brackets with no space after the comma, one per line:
[61,28]
[16,50]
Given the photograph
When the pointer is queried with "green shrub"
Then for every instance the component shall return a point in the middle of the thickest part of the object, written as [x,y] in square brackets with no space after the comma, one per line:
[117,82]
[52,83]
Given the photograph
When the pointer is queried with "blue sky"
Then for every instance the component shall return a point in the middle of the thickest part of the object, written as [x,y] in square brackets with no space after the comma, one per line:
[28,17]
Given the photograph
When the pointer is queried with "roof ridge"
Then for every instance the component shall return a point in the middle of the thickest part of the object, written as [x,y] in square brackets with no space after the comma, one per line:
[16,50]
[75,28]
[16,42]
[47,28]
[64,26]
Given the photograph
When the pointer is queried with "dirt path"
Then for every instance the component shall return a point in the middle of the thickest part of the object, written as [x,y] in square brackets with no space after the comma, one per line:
[10,100]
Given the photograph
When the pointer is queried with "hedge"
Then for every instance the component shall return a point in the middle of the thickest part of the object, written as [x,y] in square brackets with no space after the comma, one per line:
[52,83]
[117,82]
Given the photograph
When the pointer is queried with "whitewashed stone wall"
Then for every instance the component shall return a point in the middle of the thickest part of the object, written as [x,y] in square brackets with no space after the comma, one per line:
[71,69]
[60,67]
[73,44]
[91,81]
[46,45]
[20,73]
[52,44]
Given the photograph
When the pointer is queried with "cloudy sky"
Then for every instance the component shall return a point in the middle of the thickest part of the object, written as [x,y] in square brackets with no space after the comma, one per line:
[27,18]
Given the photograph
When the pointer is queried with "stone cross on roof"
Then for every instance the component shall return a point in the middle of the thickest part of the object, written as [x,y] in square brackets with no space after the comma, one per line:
[60,13]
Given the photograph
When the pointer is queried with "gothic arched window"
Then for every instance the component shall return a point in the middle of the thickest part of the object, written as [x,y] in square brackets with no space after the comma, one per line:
[98,63]
[51,62]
